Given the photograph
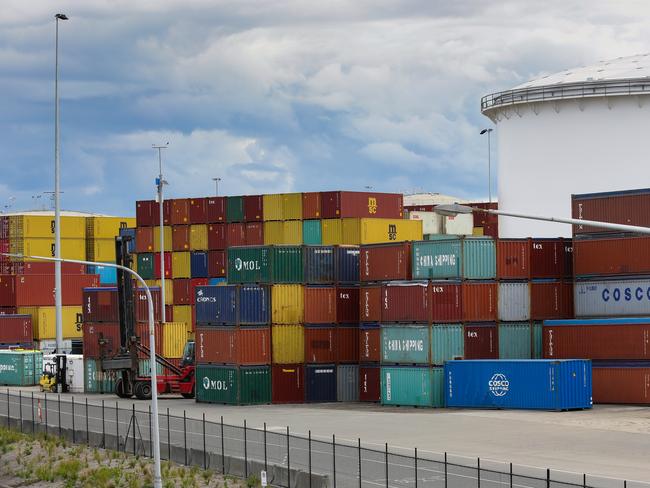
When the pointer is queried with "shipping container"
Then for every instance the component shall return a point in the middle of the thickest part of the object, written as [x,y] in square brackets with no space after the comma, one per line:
[347,343]
[447,343]
[611,256]
[217,236]
[198,211]
[630,207]
[199,264]
[311,232]
[320,383]
[235,209]
[174,339]
[369,383]
[481,341]
[370,303]
[233,345]
[537,340]
[626,382]
[288,344]
[106,227]
[514,301]
[184,313]
[347,304]
[547,258]
[183,291]
[551,299]
[100,250]
[377,231]
[480,301]
[254,233]
[217,264]
[234,385]
[612,298]
[180,211]
[288,385]
[146,265]
[347,383]
[254,305]
[167,213]
[144,213]
[370,343]
[249,265]
[142,332]
[405,302]
[215,209]
[167,238]
[402,344]
[292,206]
[311,208]
[624,338]
[142,304]
[199,237]
[385,262]
[253,208]
[181,265]
[320,305]
[216,305]
[524,384]
[283,233]
[20,368]
[332,232]
[460,225]
[48,268]
[431,221]
[319,264]
[101,339]
[479,258]
[42,226]
[515,340]
[236,234]
[437,259]
[287,264]
[320,344]
[100,305]
[38,290]
[513,259]
[107,274]
[44,246]
[412,386]
[156,265]
[96,380]
[347,264]
[16,329]
[342,204]
[287,303]
[446,301]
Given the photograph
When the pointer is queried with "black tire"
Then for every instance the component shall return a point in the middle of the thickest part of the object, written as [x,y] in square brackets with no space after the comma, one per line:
[143,390]
[122,390]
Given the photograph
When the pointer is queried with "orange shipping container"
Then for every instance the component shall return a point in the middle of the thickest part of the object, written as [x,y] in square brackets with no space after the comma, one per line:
[621,383]
[180,211]
[320,305]
[181,238]
[311,206]
[320,344]
[144,239]
[480,301]
[233,345]
[370,303]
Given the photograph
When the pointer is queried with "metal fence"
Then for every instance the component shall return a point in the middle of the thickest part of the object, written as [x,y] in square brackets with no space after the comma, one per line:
[291,461]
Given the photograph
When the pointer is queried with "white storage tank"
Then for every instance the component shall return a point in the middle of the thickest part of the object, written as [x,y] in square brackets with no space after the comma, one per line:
[579,131]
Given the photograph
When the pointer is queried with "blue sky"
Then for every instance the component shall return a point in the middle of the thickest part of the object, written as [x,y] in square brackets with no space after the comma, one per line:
[276,96]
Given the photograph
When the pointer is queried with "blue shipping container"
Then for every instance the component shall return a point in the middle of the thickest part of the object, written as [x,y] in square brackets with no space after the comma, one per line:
[347,264]
[216,281]
[544,384]
[199,264]
[216,305]
[107,274]
[253,305]
[319,264]
[320,383]
[131,233]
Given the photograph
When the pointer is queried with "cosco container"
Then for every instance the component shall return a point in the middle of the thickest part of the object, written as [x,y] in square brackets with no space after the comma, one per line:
[16,329]
[446,301]
[369,343]
[320,383]
[630,207]
[216,305]
[347,383]
[311,232]
[287,304]
[481,341]
[415,386]
[405,344]
[234,385]
[405,302]
[347,264]
[320,264]
[612,298]
[20,368]
[341,204]
[621,382]
[523,384]
[382,262]
[288,344]
[514,301]
[288,383]
[447,343]
[233,345]
[369,383]
[249,265]
[515,340]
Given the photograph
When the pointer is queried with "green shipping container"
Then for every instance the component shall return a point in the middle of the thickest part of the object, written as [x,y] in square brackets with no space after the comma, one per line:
[479,258]
[96,381]
[447,343]
[145,265]
[537,340]
[251,264]
[405,344]
[20,368]
[143,367]
[234,385]
[416,386]
[286,264]
[515,340]
[311,233]
[234,209]
[436,259]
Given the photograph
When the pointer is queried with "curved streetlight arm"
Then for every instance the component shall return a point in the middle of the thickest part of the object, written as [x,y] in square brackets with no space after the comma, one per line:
[152,349]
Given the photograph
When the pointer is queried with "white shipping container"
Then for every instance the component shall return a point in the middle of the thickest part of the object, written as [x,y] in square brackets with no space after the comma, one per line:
[460,225]
[74,370]
[48,346]
[431,221]
[612,298]
[514,301]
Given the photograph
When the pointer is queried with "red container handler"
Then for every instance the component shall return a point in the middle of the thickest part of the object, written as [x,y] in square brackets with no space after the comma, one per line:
[311,208]
[320,305]
[253,208]
[631,207]
[198,211]
[215,209]
[320,344]
[406,302]
[254,233]
[547,258]
[235,234]
[611,256]
[16,329]
[369,343]
[180,238]
[233,345]
[168,265]
[347,343]
[370,303]
[180,211]
[347,304]
[481,341]
[480,301]
[623,382]
[383,262]
[369,383]
[287,383]
[552,299]
[513,259]
[446,302]
[217,264]
[144,239]
[342,204]
[144,213]
[108,332]
[217,237]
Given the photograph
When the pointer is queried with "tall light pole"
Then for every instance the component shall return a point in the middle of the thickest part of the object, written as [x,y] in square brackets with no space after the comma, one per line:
[160,182]
[57,207]
[216,184]
[489,131]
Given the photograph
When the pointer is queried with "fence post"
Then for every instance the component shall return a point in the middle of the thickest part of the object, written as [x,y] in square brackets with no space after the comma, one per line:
[169,439]
[548,478]
[205,458]
[87,429]
[386,458]
[288,460]
[223,453]
[74,436]
[416,467]
[33,416]
[46,415]
[478,472]
[334,458]
[150,435]
[309,459]
[103,427]
[20,407]
[133,424]
[446,477]
[59,407]
[584,480]
[359,456]
[8,411]
[265,465]
[510,475]
[117,427]
[245,453]
[185,436]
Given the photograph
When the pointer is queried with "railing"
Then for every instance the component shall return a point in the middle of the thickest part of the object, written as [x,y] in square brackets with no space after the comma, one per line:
[291,461]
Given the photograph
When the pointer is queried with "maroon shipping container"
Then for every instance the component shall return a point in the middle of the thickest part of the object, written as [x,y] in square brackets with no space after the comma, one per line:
[621,383]
[183,291]
[547,258]
[551,300]
[287,383]
[236,234]
[320,305]
[142,331]
[513,259]
[144,213]
[370,303]
[181,238]
[215,209]
[481,341]
[347,344]
[347,304]
[406,302]
[108,332]
[217,237]
[8,311]
[16,329]
[4,227]
[369,383]
[21,267]
[216,264]
[169,313]
[100,305]
[320,344]
[630,207]
[253,208]
[233,345]
[590,339]
[38,290]
[610,257]
[311,206]
[167,213]
[480,301]
[144,239]
[568,258]
[168,265]
[446,302]
[141,304]
[481,218]
[382,262]
[369,344]
[180,211]
[254,233]
[198,211]
[342,204]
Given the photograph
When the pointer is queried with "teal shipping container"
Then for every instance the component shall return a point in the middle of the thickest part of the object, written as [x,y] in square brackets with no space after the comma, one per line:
[286,264]
[250,264]
[537,340]
[515,340]
[479,258]
[234,209]
[405,344]
[233,385]
[469,258]
[447,343]
[20,368]
[146,265]
[311,233]
[144,370]
[97,381]
[414,386]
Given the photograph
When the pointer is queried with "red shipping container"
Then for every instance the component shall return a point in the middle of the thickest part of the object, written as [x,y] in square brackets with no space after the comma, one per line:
[21,267]
[568,258]
[513,259]
[311,205]
[593,339]
[382,262]
[100,305]
[182,291]
[217,237]
[181,238]
[167,213]
[491,230]
[347,305]
[547,258]
[611,257]
[141,304]
[369,383]
[38,290]
[215,209]
[369,344]
[408,302]
[169,313]
[198,211]
[551,300]
[254,232]
[144,213]
[107,332]
[180,211]
[347,344]
[168,265]
[482,218]
[631,207]
[287,383]
[480,301]
[621,383]
[16,329]
[142,331]
[342,204]
[144,239]
[4,227]
[320,304]
[253,208]
[233,345]
[446,302]
[370,303]
[217,263]
[8,311]
[481,341]
[320,344]
[235,234]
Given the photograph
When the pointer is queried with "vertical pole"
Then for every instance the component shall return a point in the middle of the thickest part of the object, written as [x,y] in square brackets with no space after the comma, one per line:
[162,238]
[150,435]
[59,408]
[359,456]
[87,429]
[33,416]
[8,411]
[510,475]
[548,479]
[205,458]
[266,468]
[20,408]
[245,453]
[133,424]
[386,459]
[416,467]
[288,460]
[169,439]
[309,461]
[74,436]
[103,427]
[223,453]
[46,415]
[117,427]
[185,436]
[584,480]
[489,168]
[478,472]
[57,210]
[447,478]
[334,458]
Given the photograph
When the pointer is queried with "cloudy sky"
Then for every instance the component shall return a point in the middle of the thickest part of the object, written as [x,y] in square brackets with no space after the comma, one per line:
[274,96]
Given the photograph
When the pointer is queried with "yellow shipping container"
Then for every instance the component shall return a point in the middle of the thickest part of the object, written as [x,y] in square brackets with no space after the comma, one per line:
[199,237]
[287,303]
[292,206]
[167,230]
[181,267]
[169,290]
[332,232]
[272,207]
[288,232]
[107,227]
[44,246]
[477,231]
[377,231]
[174,339]
[183,313]
[44,321]
[102,250]
[288,344]
[31,226]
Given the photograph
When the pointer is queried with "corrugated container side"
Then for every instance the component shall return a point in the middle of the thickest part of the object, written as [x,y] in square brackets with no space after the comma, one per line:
[311,232]
[288,344]
[479,301]
[369,343]
[320,305]
[347,343]
[537,340]
[447,343]
[385,262]
[378,231]
[347,304]
[167,237]
[370,305]
[254,305]
[292,206]
[142,331]
[287,264]
[446,301]
[347,383]
[332,232]
[184,313]
[272,207]
[217,264]
[274,233]
[320,383]
[249,265]
[320,344]
[369,383]
[551,300]
[547,258]
[311,205]
[437,259]
[514,301]
[199,237]
[479,258]
[254,233]
[167,212]
[623,382]
[168,265]
[215,209]
[100,305]
[253,208]
[16,329]
[180,211]
[235,209]
[245,385]
[513,259]
[198,211]
[338,204]
[347,264]
[287,302]
[405,344]
[144,239]
[515,340]
[612,298]
[109,333]
[415,386]
[235,234]
[181,265]
[44,321]
[627,207]
[233,345]
[217,236]
[216,305]
[199,264]
[288,384]
[97,381]
[144,213]
[319,266]
[174,339]
[481,341]
[406,302]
